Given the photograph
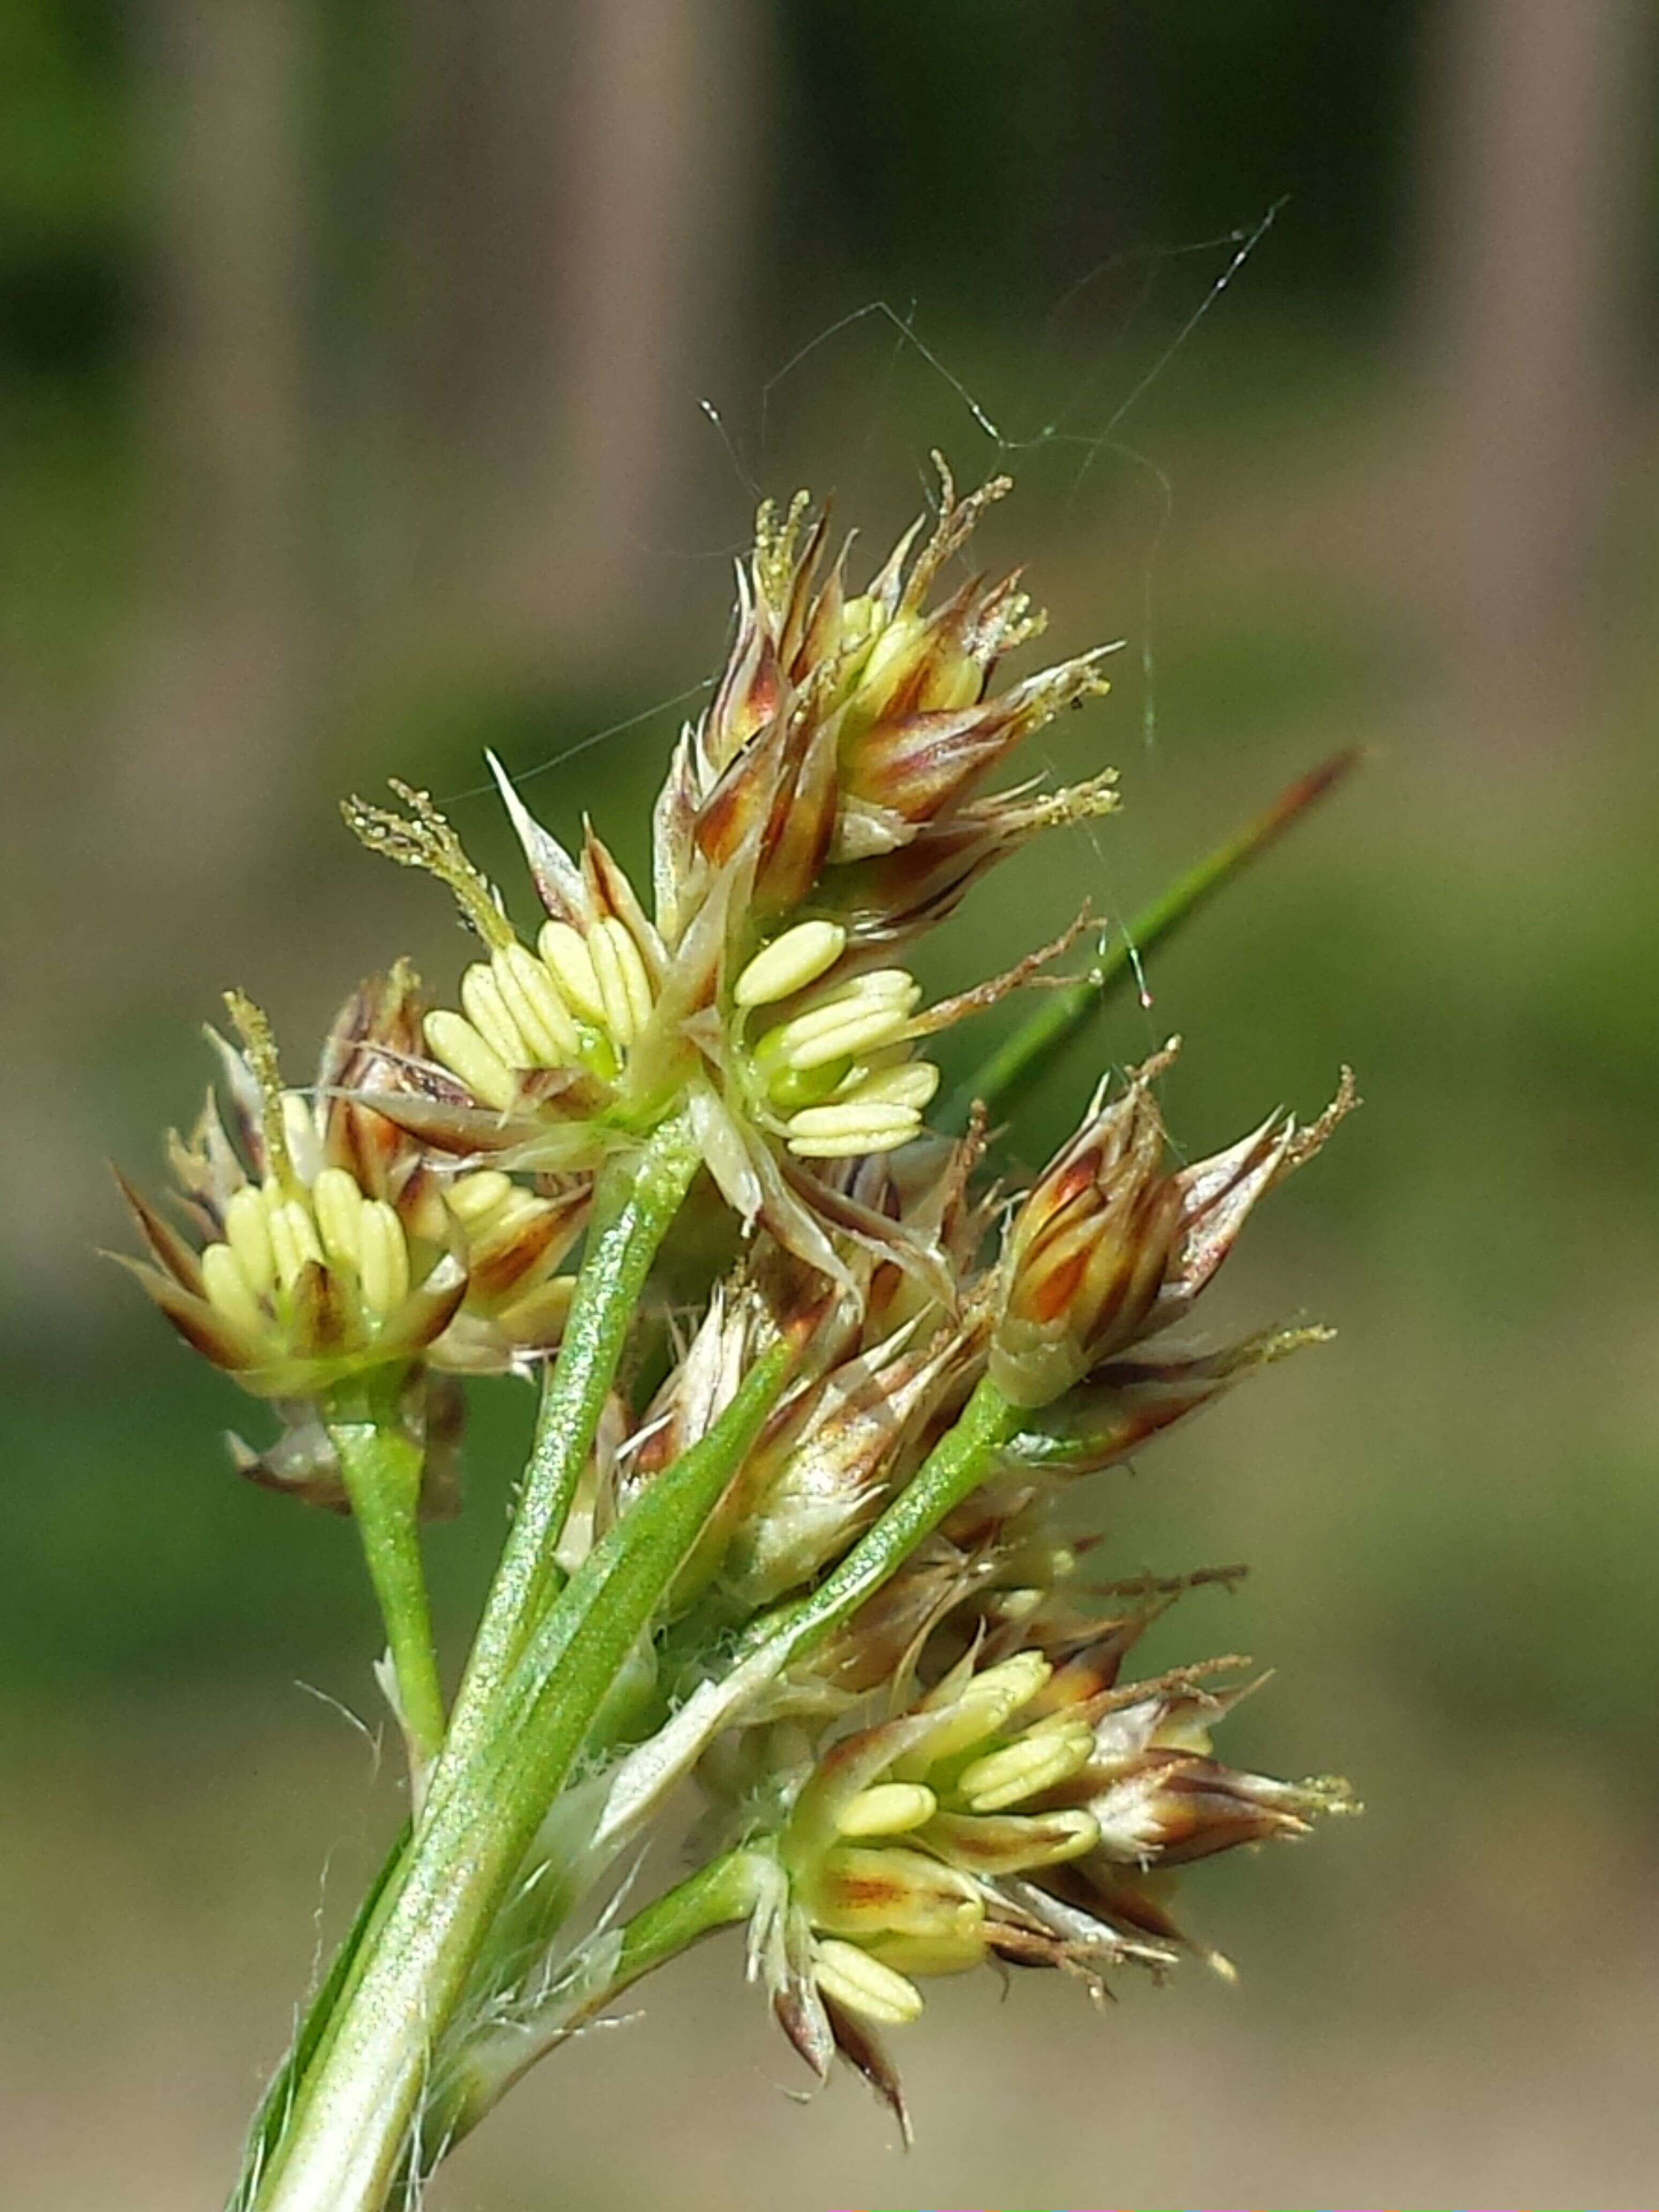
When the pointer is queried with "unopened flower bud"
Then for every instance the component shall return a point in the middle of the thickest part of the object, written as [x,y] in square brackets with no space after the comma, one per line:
[1111,1246]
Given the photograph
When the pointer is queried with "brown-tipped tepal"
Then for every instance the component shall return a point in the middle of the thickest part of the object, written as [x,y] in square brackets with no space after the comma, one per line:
[1112,1244]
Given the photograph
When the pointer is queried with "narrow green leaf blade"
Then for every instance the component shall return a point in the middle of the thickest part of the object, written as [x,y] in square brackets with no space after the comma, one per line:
[1021,1058]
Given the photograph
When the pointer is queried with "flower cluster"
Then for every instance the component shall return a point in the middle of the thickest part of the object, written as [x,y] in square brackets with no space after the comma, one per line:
[1027,1809]
[329,1251]
[791,1525]
[825,808]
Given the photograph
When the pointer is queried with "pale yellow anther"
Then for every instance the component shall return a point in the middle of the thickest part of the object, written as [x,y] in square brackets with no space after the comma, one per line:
[490,1015]
[247,1232]
[864,1985]
[930,1955]
[640,995]
[989,1699]
[912,1086]
[790,963]
[532,1000]
[565,950]
[455,1042]
[857,1022]
[337,1202]
[305,1147]
[624,986]
[881,987]
[619,1015]
[229,1291]
[293,1240]
[519,1207]
[1015,1681]
[866,1030]
[1022,1770]
[385,1258]
[887,1809]
[473,1197]
[848,1127]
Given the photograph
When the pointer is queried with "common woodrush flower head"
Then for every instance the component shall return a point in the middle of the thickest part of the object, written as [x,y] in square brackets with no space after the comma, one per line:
[814,1382]
[826,806]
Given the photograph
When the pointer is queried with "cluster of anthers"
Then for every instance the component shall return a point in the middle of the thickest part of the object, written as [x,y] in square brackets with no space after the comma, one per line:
[410,1218]
[1027,1809]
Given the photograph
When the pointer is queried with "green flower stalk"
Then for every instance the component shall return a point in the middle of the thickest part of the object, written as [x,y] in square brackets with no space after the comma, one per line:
[786,1529]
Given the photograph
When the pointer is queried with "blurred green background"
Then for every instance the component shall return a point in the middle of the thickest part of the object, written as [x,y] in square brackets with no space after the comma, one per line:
[379,382]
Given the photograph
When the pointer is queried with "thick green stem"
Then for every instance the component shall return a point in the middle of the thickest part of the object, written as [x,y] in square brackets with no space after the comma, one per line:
[277,2105]
[635,1204]
[727,1889]
[381,1467]
[354,2111]
[1021,1058]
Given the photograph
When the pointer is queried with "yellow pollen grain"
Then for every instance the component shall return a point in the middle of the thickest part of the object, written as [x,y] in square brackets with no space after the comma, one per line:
[931,1955]
[631,962]
[841,1132]
[991,1698]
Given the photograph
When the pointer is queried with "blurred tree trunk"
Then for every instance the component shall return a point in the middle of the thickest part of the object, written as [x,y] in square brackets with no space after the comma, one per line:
[161,848]
[223,688]
[579,209]
[1536,111]
[660,206]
